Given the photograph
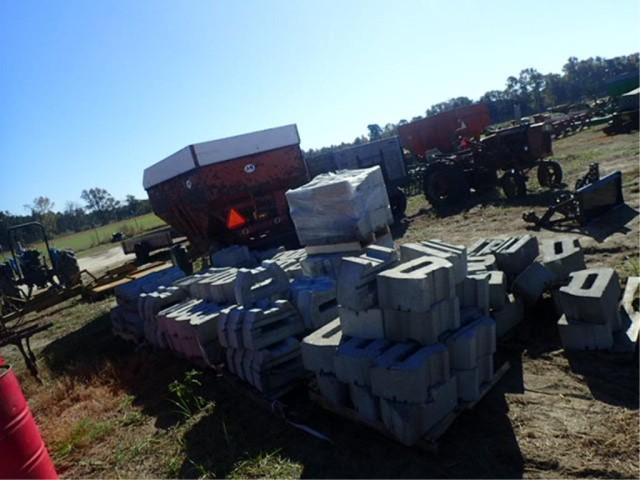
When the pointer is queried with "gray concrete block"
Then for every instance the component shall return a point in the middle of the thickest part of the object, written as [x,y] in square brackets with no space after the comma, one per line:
[406,372]
[332,389]
[356,287]
[322,265]
[485,246]
[474,340]
[497,287]
[268,281]
[423,327]
[365,403]
[319,348]
[481,263]
[264,327]
[234,256]
[576,335]
[468,383]
[591,296]
[473,292]
[355,357]
[409,422]
[510,315]
[363,324]
[626,339]
[456,254]
[416,285]
[231,364]
[315,299]
[238,364]
[516,253]
[233,327]
[532,282]
[274,367]
[562,256]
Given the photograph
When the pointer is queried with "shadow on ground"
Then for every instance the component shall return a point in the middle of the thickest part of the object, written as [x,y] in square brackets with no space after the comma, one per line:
[93,350]
[481,443]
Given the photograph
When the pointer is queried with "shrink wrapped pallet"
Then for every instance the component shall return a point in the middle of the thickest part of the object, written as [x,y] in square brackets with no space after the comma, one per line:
[343,206]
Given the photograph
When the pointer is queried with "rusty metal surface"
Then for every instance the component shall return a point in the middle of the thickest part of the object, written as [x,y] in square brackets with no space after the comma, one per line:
[439,131]
[197,203]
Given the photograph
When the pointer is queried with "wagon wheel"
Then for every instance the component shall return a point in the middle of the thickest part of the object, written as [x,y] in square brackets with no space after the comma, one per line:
[445,185]
[549,174]
[398,203]
[513,184]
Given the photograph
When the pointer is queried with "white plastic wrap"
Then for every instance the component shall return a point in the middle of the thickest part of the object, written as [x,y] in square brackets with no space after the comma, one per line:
[340,206]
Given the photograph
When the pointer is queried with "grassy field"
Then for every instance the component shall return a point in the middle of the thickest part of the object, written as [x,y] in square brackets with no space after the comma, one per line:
[107,409]
[92,241]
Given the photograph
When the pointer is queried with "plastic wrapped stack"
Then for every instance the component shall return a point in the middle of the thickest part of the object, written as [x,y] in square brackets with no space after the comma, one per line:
[405,349]
[338,214]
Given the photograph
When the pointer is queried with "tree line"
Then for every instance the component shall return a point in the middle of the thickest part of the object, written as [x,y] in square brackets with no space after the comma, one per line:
[530,91]
[99,208]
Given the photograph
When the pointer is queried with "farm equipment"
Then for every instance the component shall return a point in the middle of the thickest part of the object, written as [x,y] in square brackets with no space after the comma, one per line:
[28,271]
[143,245]
[593,196]
[29,283]
[230,191]
[457,159]
[622,122]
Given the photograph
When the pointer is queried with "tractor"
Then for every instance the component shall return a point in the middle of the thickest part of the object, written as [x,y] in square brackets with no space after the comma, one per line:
[27,278]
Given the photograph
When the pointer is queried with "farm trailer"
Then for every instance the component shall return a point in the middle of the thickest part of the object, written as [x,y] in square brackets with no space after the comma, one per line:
[458,156]
[230,191]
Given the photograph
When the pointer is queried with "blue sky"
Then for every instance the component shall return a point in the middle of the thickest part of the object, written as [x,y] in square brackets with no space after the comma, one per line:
[92,92]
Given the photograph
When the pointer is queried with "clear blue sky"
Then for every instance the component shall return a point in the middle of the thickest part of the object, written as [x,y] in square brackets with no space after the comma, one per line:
[92,91]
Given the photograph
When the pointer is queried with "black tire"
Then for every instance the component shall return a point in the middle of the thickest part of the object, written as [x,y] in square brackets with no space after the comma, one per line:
[445,185]
[549,174]
[514,185]
[484,179]
[398,203]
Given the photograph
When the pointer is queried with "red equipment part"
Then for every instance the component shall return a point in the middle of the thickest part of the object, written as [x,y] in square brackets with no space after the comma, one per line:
[439,131]
[22,451]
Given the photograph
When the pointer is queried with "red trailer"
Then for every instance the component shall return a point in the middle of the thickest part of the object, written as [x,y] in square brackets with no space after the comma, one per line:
[458,157]
[440,130]
[230,191]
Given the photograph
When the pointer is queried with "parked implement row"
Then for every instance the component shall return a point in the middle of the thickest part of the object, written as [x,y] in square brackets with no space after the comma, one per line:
[231,191]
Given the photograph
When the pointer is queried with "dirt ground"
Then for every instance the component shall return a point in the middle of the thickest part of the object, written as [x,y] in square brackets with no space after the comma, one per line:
[102,261]
[105,408]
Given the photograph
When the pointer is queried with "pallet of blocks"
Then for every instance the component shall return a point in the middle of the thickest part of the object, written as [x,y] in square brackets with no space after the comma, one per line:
[412,345]
[338,214]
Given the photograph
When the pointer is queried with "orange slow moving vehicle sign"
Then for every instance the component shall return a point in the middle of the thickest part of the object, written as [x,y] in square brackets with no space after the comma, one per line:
[440,131]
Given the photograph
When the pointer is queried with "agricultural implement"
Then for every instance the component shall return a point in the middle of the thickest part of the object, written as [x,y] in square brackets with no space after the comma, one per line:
[593,196]
[457,159]
[30,282]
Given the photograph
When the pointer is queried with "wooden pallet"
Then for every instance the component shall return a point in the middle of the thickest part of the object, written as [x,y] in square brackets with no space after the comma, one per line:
[120,276]
[354,247]
[429,442]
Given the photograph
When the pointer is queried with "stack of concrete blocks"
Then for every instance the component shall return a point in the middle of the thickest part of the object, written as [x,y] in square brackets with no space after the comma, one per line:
[150,304]
[590,307]
[238,256]
[338,207]
[338,214]
[315,299]
[259,331]
[291,262]
[318,356]
[126,322]
[261,345]
[471,350]
[626,340]
[189,329]
[515,278]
